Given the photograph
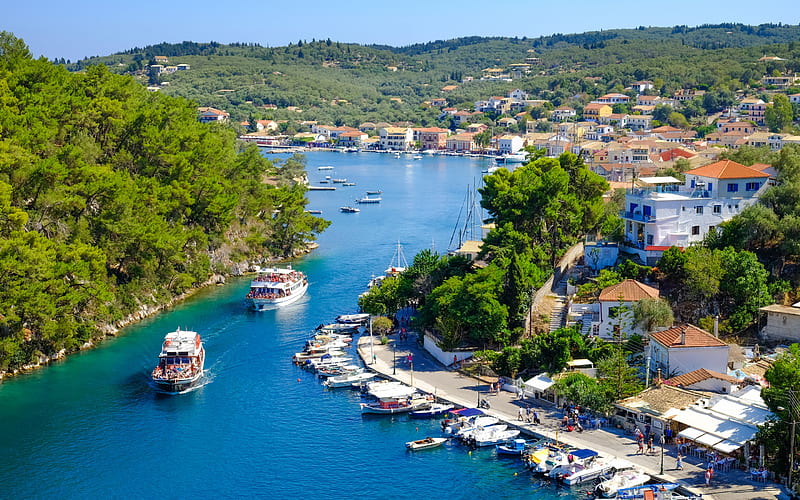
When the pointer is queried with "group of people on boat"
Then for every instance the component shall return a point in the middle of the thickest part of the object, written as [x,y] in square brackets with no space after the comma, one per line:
[268,293]
[174,371]
[279,277]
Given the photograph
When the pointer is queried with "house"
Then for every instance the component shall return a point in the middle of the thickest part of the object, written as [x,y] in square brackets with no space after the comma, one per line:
[736,125]
[687,94]
[794,98]
[183,67]
[614,98]
[352,139]
[506,122]
[664,212]
[476,128]
[595,110]
[161,59]
[510,144]
[562,113]
[706,380]
[616,308]
[208,115]
[433,137]
[449,88]
[461,143]
[269,125]
[438,102]
[685,348]
[754,109]
[782,322]
[396,138]
[639,122]
[781,82]
[517,94]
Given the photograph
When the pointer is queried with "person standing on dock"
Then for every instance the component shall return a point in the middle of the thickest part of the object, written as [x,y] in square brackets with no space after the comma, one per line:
[536,417]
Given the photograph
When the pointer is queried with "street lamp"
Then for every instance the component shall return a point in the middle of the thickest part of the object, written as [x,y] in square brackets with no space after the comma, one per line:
[394,358]
[793,405]
[661,441]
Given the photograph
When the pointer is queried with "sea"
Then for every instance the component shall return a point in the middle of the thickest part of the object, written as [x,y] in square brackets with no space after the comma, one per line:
[92,426]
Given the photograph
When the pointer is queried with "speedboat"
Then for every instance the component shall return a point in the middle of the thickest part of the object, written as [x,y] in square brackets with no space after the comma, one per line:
[628,478]
[348,380]
[492,435]
[367,199]
[513,158]
[353,319]
[424,444]
[574,457]
[276,287]
[338,181]
[181,361]
[375,191]
[592,469]
[391,397]
[436,409]
[349,210]
[325,167]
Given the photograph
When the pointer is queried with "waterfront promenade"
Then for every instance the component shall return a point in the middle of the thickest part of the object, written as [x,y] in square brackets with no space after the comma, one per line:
[390,360]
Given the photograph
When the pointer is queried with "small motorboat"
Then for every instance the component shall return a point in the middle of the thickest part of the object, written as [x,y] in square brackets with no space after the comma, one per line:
[424,444]
[348,380]
[348,184]
[325,167]
[353,319]
[436,409]
[375,191]
[622,479]
[349,210]
[637,492]
[367,199]
[513,448]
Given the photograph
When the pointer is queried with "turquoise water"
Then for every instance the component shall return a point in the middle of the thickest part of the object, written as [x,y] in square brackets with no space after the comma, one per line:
[92,426]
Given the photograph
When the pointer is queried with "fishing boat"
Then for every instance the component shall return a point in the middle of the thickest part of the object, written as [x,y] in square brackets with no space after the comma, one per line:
[424,444]
[325,167]
[349,210]
[628,478]
[180,363]
[276,287]
[367,199]
[513,448]
[375,191]
[435,410]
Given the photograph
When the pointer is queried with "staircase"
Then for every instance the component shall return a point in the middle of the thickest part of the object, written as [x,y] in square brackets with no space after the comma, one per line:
[559,312]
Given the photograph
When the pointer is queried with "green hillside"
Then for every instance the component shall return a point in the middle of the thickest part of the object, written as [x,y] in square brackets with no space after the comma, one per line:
[348,83]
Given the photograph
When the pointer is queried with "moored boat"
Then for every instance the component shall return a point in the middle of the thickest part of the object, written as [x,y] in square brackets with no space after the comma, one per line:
[424,444]
[276,287]
[375,191]
[348,380]
[349,210]
[353,319]
[325,167]
[367,199]
[637,492]
[513,448]
[338,181]
[628,478]
[435,410]
[181,361]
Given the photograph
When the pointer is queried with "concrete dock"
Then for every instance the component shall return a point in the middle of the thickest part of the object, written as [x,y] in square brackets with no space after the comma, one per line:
[427,374]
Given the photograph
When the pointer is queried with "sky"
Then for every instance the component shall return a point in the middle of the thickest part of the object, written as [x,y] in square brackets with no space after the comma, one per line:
[83,28]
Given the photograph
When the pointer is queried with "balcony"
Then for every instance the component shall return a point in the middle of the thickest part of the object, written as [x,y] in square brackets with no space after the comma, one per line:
[637,216]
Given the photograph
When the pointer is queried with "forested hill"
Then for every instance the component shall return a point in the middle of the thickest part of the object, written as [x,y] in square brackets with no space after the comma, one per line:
[348,83]
[113,198]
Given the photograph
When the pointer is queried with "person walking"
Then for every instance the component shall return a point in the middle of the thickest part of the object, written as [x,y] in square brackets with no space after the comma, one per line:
[650,446]
[640,443]
[709,473]
[536,417]
[521,414]
[679,462]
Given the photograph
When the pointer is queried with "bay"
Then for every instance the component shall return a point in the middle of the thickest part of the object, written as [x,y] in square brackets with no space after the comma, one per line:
[259,427]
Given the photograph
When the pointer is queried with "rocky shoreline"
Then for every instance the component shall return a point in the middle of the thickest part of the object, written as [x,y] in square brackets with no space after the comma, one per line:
[144,311]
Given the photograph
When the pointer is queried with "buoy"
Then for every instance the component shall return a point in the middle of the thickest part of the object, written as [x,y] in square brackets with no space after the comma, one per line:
[416,429]
[469,452]
[298,380]
[516,473]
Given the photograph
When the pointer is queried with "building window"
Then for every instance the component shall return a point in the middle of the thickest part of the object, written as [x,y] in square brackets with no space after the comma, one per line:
[717,209]
[710,229]
[733,187]
[695,230]
[752,186]
[649,239]
[698,210]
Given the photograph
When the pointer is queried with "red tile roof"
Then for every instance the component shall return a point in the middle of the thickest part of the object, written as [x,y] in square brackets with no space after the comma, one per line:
[699,375]
[686,336]
[726,169]
[628,291]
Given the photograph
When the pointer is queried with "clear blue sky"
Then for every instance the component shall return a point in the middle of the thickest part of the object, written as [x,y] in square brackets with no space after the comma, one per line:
[81,28]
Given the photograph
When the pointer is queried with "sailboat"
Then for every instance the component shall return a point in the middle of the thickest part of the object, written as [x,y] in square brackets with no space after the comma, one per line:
[398,264]
[468,227]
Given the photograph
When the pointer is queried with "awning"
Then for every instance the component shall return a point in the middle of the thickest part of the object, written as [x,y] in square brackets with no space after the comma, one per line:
[727,446]
[539,383]
[467,412]
[717,424]
[708,439]
[583,453]
[691,433]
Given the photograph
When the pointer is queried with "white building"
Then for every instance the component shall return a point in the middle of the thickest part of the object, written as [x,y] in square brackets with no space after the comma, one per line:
[396,138]
[666,213]
[616,307]
[510,144]
[685,348]
[783,322]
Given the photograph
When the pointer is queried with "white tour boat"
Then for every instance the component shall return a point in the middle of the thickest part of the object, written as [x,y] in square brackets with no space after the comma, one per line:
[276,287]
[180,363]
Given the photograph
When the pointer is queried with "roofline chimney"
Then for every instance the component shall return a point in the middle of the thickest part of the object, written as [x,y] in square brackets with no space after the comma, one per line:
[683,337]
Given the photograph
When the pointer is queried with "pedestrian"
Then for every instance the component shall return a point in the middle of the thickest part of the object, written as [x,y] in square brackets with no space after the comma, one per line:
[679,462]
[536,417]
[650,446]
[455,361]
[709,473]
[521,415]
[647,430]
[640,443]
[374,358]
[528,414]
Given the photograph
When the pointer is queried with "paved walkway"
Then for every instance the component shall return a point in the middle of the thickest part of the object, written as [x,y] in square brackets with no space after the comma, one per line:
[431,376]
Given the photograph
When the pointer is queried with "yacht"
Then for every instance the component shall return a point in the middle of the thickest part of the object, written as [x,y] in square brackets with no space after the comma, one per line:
[180,363]
[276,287]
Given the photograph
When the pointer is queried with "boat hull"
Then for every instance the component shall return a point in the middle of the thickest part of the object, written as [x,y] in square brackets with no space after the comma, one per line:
[178,385]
